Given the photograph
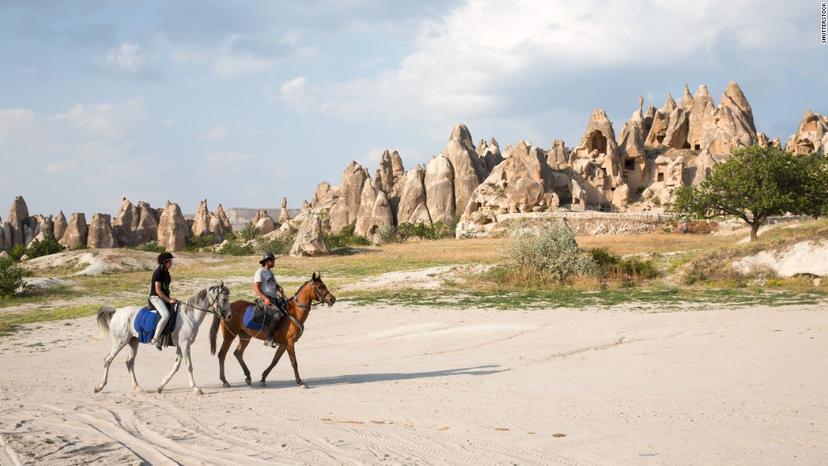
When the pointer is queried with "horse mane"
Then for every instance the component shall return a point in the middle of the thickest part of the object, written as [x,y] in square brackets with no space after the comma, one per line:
[192,302]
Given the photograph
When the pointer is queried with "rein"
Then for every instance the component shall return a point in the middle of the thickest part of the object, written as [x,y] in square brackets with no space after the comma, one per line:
[210,307]
[304,306]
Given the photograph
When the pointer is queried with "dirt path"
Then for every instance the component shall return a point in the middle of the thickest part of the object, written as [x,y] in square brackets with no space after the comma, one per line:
[402,386]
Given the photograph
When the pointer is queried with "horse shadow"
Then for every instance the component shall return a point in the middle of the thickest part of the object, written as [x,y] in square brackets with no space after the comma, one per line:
[352,379]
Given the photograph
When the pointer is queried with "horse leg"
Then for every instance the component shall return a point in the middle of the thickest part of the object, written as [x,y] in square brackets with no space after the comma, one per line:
[239,354]
[176,364]
[113,351]
[130,362]
[292,354]
[227,340]
[279,353]
[189,361]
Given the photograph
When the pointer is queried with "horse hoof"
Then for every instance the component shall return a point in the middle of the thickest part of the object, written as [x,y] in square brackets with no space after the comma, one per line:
[226,385]
[159,389]
[301,384]
[263,383]
[98,388]
[136,389]
[198,391]
[248,381]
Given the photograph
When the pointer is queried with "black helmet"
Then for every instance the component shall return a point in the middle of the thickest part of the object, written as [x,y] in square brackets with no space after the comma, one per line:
[268,256]
[164,257]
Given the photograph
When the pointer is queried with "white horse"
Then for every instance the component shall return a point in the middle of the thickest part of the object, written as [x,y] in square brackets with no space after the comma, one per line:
[120,324]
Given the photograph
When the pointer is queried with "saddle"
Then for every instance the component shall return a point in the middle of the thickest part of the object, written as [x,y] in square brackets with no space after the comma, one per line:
[146,320]
[257,316]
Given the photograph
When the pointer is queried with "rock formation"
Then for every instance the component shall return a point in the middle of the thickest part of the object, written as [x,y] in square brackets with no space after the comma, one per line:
[59,226]
[147,229]
[309,240]
[324,194]
[374,211]
[468,169]
[173,229]
[221,217]
[524,182]
[206,223]
[439,186]
[100,234]
[489,153]
[283,211]
[76,232]
[126,223]
[262,222]
[413,207]
[18,213]
[558,155]
[344,211]
[811,136]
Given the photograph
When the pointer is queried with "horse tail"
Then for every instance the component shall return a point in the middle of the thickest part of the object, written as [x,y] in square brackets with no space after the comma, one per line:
[105,314]
[213,333]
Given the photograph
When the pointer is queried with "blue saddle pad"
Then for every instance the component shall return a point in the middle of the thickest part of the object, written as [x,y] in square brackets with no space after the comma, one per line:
[146,320]
[251,320]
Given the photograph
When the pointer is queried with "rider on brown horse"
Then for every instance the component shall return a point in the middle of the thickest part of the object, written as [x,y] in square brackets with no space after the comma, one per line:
[268,291]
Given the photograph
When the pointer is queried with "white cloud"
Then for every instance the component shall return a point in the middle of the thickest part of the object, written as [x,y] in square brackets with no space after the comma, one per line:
[126,58]
[215,133]
[469,61]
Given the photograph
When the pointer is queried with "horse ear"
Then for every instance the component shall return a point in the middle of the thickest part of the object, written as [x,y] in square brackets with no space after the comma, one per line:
[314,277]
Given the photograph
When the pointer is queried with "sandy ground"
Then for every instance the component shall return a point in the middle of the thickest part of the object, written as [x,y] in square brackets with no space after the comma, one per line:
[401,386]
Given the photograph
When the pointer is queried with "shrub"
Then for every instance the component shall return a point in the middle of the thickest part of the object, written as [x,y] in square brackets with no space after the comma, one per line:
[38,248]
[17,252]
[194,243]
[11,277]
[276,245]
[248,233]
[387,234]
[552,255]
[346,237]
[232,248]
[437,230]
[150,246]
[609,265]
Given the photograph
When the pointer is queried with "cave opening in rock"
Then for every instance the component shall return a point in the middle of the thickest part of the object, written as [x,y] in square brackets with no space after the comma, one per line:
[660,177]
[697,147]
[598,142]
[629,164]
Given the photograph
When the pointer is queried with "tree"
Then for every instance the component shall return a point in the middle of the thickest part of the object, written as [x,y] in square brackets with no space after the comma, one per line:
[757,182]
[11,277]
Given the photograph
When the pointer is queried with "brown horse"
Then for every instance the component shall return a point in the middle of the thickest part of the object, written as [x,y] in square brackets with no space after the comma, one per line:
[287,333]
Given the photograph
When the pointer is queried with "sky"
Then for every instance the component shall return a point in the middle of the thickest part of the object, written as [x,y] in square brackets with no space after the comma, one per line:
[243,102]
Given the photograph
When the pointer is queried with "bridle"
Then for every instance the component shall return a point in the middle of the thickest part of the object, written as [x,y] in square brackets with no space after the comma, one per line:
[213,303]
[319,300]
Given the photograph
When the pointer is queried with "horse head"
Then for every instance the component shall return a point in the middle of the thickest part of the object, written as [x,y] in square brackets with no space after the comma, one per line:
[320,290]
[220,300]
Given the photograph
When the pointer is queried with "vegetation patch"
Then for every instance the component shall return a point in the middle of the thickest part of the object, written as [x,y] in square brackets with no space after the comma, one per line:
[9,322]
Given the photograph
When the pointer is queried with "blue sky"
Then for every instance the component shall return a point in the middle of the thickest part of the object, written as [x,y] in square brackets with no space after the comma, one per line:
[244,102]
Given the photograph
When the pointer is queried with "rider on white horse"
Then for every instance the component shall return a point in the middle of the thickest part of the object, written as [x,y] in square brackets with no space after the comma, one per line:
[159,296]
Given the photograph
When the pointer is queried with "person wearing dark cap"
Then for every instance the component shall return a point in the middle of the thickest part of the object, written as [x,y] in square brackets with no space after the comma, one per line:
[159,297]
[266,288]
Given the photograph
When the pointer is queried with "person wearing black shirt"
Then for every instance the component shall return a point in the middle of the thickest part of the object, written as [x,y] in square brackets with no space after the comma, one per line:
[159,296]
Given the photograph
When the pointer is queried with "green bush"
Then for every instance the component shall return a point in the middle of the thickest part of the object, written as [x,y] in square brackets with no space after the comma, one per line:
[195,243]
[17,252]
[275,245]
[11,277]
[387,234]
[346,237]
[232,248]
[248,233]
[38,248]
[150,246]
[437,230]
[609,265]
[552,255]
